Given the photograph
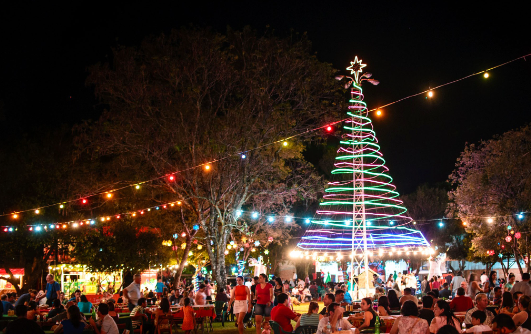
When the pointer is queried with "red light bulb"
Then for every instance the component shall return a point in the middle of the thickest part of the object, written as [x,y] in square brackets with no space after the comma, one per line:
[84,201]
[329,128]
[171,178]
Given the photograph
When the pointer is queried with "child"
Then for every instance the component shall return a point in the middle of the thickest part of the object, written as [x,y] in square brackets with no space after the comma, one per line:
[189,318]
[478,318]
[267,328]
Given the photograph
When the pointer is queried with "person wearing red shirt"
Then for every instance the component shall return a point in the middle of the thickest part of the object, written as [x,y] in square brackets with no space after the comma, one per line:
[282,314]
[264,302]
[461,303]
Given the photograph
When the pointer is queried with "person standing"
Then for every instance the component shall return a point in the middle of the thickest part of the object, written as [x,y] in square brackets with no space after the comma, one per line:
[241,297]
[473,286]
[200,296]
[264,302]
[484,278]
[456,283]
[208,290]
[509,285]
[52,290]
[132,292]
[523,286]
[159,287]
[424,285]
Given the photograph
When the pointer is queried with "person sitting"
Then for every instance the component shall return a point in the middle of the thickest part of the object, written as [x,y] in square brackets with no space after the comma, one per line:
[368,314]
[33,311]
[481,304]
[347,298]
[383,306]
[521,317]
[507,304]
[478,318]
[112,312]
[108,325]
[121,297]
[504,324]
[516,297]
[340,296]
[407,296]
[311,318]
[221,296]
[163,311]
[443,316]
[7,306]
[327,300]
[445,292]
[461,303]
[74,324]
[84,305]
[57,308]
[426,312]
[409,322]
[22,324]
[497,296]
[140,309]
[434,294]
[394,303]
[334,317]
[282,314]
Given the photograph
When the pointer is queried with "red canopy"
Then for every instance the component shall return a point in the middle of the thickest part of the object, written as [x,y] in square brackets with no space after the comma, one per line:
[15,271]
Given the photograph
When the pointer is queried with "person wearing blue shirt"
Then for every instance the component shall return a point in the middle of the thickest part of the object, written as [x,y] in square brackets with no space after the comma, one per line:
[84,305]
[52,290]
[26,298]
[6,305]
[348,298]
[159,288]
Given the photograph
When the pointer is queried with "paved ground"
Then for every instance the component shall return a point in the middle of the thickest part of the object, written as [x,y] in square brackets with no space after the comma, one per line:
[231,329]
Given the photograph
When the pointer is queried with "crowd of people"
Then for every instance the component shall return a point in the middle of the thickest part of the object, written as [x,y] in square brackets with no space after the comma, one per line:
[68,314]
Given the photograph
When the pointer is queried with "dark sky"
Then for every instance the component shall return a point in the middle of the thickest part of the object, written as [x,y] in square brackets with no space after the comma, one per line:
[45,49]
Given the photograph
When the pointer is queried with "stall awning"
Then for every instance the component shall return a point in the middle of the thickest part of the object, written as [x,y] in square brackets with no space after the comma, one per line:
[15,271]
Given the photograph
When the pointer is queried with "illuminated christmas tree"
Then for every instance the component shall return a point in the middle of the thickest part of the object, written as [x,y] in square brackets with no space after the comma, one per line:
[360,216]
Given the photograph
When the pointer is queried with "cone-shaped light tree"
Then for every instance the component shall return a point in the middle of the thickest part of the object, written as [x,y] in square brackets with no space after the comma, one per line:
[360,216]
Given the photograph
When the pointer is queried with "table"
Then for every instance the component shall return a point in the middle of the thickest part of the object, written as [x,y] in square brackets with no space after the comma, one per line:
[386,321]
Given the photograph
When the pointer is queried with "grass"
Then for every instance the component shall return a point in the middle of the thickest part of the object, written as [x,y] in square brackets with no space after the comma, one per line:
[231,329]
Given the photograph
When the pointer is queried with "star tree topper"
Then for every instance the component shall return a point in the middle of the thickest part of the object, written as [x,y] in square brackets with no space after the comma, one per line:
[356,68]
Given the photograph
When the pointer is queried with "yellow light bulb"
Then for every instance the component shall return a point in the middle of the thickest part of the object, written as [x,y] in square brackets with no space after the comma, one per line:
[207,167]
[37,212]
[430,93]
[15,216]
[285,143]
[486,75]
[109,195]
[137,187]
[378,112]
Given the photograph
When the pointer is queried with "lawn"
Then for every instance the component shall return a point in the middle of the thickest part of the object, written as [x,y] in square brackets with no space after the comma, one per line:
[231,329]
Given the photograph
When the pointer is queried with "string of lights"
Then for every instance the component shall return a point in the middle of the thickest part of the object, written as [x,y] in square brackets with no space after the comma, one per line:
[207,166]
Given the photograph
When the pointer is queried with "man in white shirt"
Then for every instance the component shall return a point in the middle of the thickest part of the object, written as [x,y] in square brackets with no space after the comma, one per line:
[132,292]
[484,278]
[523,286]
[456,283]
[108,325]
[248,284]
[341,322]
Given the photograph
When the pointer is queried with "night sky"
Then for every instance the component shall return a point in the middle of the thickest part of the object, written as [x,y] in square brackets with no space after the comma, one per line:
[46,49]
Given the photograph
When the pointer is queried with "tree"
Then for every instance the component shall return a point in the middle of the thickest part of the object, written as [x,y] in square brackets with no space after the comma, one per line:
[492,186]
[427,206]
[36,170]
[194,97]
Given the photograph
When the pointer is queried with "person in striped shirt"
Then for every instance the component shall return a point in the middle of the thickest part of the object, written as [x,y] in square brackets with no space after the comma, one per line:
[311,318]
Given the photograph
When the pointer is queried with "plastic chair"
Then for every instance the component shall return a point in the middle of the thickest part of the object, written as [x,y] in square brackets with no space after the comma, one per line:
[276,328]
[306,330]
[138,328]
[165,324]
[221,311]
